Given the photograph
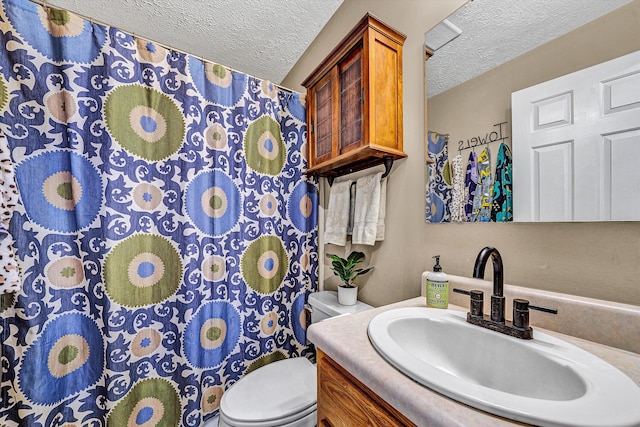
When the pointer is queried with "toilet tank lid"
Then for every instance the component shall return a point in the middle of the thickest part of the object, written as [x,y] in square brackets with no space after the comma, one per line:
[327,302]
[274,391]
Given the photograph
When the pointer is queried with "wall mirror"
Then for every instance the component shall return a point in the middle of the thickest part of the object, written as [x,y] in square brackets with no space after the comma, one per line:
[470,79]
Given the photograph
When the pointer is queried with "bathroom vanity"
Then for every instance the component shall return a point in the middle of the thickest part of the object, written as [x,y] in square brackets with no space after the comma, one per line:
[356,386]
[343,400]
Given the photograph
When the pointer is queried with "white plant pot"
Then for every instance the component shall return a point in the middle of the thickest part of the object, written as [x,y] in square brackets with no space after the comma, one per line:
[347,296]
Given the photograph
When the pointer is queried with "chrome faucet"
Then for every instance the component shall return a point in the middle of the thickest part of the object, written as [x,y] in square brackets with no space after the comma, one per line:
[519,327]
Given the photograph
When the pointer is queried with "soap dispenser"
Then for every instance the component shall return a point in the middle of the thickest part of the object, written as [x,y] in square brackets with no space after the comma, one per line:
[437,286]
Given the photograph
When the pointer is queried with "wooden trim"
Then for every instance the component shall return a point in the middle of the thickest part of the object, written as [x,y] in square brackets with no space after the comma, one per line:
[428,53]
[350,160]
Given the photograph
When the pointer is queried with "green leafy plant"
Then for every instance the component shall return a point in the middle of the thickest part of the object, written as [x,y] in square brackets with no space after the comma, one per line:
[346,269]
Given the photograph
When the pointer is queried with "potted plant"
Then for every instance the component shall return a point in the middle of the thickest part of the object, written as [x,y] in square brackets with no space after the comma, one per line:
[346,270]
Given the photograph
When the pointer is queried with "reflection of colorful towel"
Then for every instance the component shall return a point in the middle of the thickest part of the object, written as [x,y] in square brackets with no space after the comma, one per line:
[470,183]
[482,199]
[458,199]
[438,194]
[502,205]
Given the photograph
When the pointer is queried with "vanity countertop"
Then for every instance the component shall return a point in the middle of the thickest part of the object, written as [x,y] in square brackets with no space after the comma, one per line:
[345,340]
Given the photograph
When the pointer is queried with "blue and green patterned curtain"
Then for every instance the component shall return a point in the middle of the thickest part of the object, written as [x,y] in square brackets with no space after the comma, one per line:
[166,235]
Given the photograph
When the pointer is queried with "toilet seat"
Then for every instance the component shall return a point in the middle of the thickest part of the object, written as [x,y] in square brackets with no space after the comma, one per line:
[273,395]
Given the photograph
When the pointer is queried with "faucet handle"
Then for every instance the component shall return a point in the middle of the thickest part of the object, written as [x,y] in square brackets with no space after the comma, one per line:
[521,312]
[545,309]
[477,301]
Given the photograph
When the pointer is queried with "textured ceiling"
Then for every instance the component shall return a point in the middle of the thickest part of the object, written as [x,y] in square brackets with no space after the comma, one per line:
[496,31]
[258,37]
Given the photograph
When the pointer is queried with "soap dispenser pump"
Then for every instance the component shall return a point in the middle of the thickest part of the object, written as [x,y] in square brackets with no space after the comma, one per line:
[437,286]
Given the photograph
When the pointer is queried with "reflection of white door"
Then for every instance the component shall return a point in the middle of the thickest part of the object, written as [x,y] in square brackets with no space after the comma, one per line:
[576,145]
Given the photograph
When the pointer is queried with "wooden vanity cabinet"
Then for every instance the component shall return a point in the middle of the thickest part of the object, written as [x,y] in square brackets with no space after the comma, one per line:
[343,401]
[354,102]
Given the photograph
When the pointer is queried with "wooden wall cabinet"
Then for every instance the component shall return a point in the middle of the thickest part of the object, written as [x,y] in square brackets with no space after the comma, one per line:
[343,401]
[354,102]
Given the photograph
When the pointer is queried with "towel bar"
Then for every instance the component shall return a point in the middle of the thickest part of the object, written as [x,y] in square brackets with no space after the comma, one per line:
[388,164]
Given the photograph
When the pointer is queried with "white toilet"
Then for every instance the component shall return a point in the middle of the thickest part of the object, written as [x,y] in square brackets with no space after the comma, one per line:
[282,393]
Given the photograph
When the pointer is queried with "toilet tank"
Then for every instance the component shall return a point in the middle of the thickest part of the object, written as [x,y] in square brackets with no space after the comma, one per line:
[324,304]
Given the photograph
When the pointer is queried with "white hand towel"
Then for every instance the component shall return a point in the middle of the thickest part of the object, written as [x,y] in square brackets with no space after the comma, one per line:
[352,206]
[335,231]
[382,211]
[367,210]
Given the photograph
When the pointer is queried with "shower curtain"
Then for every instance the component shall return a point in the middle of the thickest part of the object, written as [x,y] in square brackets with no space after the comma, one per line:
[166,234]
[438,189]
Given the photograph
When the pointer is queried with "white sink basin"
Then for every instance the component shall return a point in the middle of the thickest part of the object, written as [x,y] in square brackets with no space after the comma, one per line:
[544,381]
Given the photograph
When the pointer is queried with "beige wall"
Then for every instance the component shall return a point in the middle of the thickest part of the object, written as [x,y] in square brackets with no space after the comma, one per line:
[599,260]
